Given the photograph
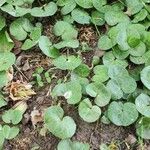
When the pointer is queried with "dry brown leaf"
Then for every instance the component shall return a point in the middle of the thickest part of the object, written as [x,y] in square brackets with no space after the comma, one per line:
[20,91]
[36,116]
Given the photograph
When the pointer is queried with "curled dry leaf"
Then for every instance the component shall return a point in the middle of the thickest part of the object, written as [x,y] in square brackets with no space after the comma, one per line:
[36,116]
[20,91]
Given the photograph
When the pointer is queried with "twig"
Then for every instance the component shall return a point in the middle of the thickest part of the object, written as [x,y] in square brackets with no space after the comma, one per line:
[21,72]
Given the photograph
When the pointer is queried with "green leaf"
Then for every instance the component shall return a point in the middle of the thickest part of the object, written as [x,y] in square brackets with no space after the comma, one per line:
[3,79]
[139,50]
[137,60]
[44,11]
[85,3]
[116,70]
[143,128]
[83,70]
[69,145]
[101,74]
[2,22]
[20,28]
[7,59]
[142,104]
[134,6]
[140,16]
[105,43]
[68,43]
[65,30]
[127,83]
[122,114]
[12,116]
[100,92]
[67,62]
[62,127]
[67,90]
[10,133]
[89,112]
[119,54]
[6,44]
[114,88]
[2,101]
[133,38]
[68,7]
[97,18]
[98,4]
[47,48]
[114,17]
[81,16]
[145,77]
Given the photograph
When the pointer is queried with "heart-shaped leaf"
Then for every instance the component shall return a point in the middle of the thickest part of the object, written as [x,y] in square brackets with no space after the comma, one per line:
[83,70]
[12,116]
[10,133]
[44,11]
[101,74]
[145,77]
[67,90]
[67,62]
[69,145]
[20,28]
[88,112]
[97,18]
[85,3]
[98,4]
[143,128]
[114,88]
[65,30]
[57,124]
[105,43]
[143,104]
[100,92]
[47,48]
[80,16]
[122,114]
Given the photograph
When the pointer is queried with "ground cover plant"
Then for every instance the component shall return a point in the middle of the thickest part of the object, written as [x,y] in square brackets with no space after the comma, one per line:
[73,69]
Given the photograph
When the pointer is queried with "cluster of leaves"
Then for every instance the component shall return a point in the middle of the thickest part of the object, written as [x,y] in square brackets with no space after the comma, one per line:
[120,81]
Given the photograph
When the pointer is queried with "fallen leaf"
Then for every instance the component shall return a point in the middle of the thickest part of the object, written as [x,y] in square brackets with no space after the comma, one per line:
[36,116]
[20,91]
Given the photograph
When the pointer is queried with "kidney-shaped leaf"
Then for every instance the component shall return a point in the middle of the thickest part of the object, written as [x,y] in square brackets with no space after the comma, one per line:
[88,112]
[57,124]
[122,114]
